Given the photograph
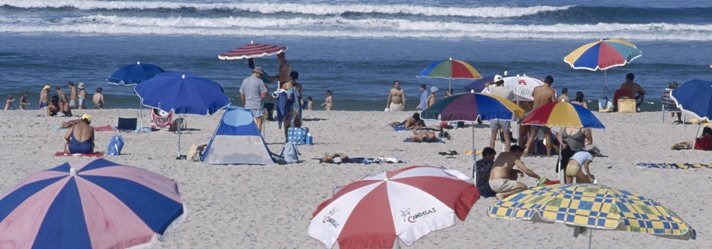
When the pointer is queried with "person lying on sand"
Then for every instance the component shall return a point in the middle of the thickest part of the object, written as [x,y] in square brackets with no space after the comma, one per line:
[424,136]
[412,123]
[334,158]
[503,177]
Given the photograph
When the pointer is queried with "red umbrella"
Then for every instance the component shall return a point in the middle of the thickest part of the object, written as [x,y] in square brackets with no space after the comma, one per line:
[406,203]
[252,50]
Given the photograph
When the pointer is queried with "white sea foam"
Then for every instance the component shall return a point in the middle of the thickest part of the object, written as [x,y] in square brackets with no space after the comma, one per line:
[345,27]
[296,8]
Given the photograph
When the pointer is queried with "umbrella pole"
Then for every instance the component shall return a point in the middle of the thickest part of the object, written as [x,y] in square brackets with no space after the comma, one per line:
[180,156]
[590,237]
[449,84]
[474,154]
[140,115]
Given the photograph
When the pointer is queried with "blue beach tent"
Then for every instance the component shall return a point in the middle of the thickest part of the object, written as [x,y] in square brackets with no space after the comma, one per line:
[237,141]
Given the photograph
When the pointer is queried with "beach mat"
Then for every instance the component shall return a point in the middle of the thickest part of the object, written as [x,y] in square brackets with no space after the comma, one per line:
[648,165]
[408,140]
[104,128]
[95,154]
[365,160]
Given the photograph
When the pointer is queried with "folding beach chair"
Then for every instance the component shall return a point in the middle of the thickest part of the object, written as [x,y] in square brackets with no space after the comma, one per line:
[127,124]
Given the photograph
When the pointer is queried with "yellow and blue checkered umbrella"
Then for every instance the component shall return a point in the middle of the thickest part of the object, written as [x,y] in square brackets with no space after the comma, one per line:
[592,206]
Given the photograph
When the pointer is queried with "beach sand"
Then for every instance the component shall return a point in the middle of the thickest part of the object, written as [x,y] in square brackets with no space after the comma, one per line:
[270,206]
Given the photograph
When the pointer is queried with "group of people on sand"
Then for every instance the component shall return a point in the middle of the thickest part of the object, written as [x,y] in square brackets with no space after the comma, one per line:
[396,97]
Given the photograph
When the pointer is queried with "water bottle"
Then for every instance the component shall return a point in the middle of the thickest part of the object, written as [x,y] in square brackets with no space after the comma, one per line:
[309,139]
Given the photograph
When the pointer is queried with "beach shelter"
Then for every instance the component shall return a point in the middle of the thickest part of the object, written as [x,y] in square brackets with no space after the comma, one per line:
[695,97]
[133,74]
[89,204]
[237,140]
[588,206]
[404,204]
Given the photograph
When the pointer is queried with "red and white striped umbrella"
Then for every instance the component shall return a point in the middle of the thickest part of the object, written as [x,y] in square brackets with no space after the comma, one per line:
[252,50]
[408,203]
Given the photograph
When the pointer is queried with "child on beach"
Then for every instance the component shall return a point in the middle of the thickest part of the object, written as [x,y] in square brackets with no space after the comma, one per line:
[310,103]
[8,102]
[329,101]
[44,96]
[23,101]
[98,98]
[82,95]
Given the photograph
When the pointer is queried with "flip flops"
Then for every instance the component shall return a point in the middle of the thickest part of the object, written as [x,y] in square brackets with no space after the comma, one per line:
[448,153]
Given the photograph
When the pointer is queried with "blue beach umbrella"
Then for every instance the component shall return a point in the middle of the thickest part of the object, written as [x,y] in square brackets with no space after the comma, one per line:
[182,94]
[695,96]
[479,85]
[133,74]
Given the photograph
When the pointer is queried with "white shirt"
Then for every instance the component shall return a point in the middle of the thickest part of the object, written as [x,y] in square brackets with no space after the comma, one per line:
[582,157]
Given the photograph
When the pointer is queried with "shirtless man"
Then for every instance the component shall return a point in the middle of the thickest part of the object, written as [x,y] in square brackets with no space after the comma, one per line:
[98,98]
[44,96]
[62,96]
[284,70]
[396,98]
[73,94]
[503,177]
[635,88]
[543,95]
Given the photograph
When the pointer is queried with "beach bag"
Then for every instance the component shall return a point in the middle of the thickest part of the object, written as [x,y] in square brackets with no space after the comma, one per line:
[626,105]
[178,123]
[116,143]
[297,135]
[290,153]
[604,105]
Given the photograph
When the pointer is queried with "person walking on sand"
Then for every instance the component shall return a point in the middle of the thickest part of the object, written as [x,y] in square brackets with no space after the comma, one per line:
[284,70]
[23,101]
[252,92]
[503,177]
[73,93]
[423,98]
[543,95]
[328,101]
[82,95]
[8,103]
[432,98]
[500,125]
[396,98]
[44,96]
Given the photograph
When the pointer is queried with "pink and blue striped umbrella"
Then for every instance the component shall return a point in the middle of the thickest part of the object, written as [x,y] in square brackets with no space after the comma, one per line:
[98,204]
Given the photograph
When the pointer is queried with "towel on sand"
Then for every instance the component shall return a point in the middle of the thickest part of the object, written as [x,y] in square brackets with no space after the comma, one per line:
[673,165]
[95,154]
[408,140]
[104,128]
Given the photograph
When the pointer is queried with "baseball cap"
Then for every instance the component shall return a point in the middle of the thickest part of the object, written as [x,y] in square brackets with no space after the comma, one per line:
[433,89]
[258,70]
[87,117]
[497,78]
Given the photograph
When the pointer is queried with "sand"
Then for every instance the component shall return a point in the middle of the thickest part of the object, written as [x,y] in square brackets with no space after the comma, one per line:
[270,206]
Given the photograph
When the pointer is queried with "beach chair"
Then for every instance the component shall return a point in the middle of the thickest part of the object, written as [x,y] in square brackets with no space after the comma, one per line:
[127,124]
[161,119]
[668,105]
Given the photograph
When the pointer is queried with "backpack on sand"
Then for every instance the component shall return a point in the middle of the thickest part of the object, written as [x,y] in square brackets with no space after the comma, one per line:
[290,153]
[116,143]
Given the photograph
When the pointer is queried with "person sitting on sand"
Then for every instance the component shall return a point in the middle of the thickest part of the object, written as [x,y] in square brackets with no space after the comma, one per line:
[578,99]
[328,101]
[581,160]
[484,168]
[705,141]
[80,138]
[56,106]
[424,136]
[503,177]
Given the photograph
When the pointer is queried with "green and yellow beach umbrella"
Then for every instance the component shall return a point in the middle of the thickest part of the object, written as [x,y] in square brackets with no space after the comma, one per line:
[593,206]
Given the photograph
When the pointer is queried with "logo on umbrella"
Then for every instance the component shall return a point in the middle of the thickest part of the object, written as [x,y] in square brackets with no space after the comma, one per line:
[523,82]
[412,218]
[328,218]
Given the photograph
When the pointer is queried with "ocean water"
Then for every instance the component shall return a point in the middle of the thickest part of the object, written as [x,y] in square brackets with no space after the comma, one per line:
[354,48]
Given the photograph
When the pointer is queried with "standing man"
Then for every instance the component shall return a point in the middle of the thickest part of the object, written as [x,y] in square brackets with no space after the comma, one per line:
[432,99]
[564,95]
[543,95]
[396,98]
[423,98]
[252,91]
[284,70]
[497,125]
[72,95]
[635,88]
